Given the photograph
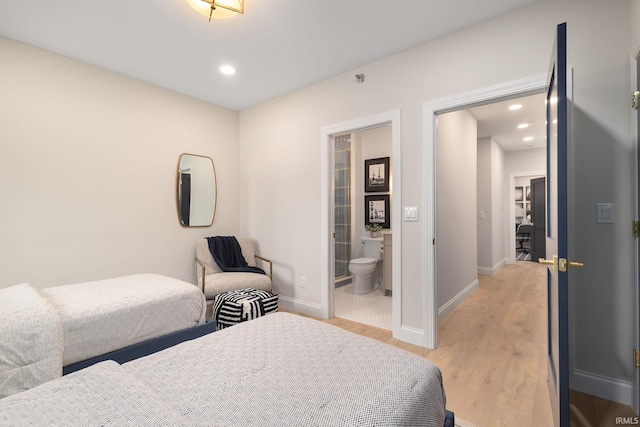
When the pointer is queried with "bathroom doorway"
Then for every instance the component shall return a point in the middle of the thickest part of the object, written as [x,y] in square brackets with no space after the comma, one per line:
[391,121]
[363,301]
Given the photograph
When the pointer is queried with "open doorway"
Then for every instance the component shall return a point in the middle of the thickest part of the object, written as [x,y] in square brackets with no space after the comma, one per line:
[363,282]
[431,112]
[328,273]
[485,156]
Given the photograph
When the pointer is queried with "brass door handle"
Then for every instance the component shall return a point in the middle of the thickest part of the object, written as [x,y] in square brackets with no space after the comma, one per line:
[553,262]
[561,264]
[575,264]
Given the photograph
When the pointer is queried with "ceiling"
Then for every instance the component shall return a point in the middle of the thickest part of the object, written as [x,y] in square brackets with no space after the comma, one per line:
[497,121]
[277,46]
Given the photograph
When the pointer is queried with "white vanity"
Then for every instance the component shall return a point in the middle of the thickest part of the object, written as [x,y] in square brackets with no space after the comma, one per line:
[387,262]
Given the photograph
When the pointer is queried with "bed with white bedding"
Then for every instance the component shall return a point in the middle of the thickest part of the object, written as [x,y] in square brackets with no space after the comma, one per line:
[106,315]
[281,370]
[46,333]
[30,340]
[103,394]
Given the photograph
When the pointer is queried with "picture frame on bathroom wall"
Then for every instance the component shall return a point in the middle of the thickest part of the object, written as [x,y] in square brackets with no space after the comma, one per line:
[376,175]
[518,194]
[377,211]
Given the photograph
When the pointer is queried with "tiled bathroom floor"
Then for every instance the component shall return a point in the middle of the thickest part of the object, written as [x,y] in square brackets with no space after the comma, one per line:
[371,309]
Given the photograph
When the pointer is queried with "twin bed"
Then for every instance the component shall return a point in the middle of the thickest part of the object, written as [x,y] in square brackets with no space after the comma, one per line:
[281,369]
[109,315]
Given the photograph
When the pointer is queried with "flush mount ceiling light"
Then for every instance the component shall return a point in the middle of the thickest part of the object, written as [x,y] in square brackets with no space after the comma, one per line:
[515,107]
[218,9]
[228,70]
[523,125]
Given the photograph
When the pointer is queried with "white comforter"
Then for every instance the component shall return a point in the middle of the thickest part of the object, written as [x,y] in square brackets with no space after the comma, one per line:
[278,370]
[101,395]
[286,370]
[30,340]
[106,315]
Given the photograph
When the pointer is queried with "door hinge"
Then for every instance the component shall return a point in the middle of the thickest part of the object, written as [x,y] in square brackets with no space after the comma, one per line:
[637,358]
[636,228]
[635,100]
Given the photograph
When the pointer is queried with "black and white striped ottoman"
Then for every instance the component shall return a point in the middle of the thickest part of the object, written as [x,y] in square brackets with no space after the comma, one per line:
[233,307]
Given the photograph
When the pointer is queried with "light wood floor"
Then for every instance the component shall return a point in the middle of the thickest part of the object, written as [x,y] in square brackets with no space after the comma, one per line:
[492,355]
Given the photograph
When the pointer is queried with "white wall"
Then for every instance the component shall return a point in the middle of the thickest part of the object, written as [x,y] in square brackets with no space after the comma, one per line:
[602,170]
[498,214]
[281,157]
[88,160]
[456,204]
[525,161]
[484,213]
[492,252]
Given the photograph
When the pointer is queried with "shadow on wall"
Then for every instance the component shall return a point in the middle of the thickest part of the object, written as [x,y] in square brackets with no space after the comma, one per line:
[594,171]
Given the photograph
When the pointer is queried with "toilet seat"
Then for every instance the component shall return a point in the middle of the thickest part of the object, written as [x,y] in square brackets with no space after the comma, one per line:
[363,261]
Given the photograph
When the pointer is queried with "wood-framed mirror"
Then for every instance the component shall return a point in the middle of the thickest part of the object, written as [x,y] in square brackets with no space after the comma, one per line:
[196,190]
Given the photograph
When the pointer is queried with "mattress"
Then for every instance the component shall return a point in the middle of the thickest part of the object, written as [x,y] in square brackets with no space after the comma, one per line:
[286,370]
[106,315]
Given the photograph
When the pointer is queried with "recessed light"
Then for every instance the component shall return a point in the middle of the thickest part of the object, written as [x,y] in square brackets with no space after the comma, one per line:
[228,70]
[523,125]
[515,107]
[528,138]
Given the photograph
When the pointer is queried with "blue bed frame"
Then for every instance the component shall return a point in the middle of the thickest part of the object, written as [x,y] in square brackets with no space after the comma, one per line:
[449,419]
[145,348]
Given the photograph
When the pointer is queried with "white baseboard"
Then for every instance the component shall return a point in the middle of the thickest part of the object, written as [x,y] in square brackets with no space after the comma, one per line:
[450,305]
[603,387]
[490,271]
[298,306]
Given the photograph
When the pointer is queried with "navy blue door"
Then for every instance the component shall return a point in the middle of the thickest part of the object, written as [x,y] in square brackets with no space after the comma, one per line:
[556,231]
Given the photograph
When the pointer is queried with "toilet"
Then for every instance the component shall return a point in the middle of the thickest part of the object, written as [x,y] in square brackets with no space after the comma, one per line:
[365,270]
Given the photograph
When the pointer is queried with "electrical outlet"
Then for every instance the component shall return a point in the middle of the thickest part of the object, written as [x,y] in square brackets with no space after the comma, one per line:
[303,281]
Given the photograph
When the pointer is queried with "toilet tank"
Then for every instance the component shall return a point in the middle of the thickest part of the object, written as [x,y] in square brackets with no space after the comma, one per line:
[372,246]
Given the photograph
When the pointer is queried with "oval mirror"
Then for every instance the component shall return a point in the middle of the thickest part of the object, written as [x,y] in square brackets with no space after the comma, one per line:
[196,191]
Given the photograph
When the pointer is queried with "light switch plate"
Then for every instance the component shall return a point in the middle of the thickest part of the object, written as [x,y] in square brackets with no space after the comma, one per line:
[605,213]
[411,213]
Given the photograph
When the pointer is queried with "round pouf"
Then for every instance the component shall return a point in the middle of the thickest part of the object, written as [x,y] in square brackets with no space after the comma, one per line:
[233,307]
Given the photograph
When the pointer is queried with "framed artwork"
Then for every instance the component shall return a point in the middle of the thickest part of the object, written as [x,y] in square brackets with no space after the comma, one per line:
[376,210]
[376,175]
[518,194]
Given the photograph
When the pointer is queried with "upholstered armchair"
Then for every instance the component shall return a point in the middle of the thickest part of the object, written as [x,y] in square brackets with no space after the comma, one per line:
[213,281]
